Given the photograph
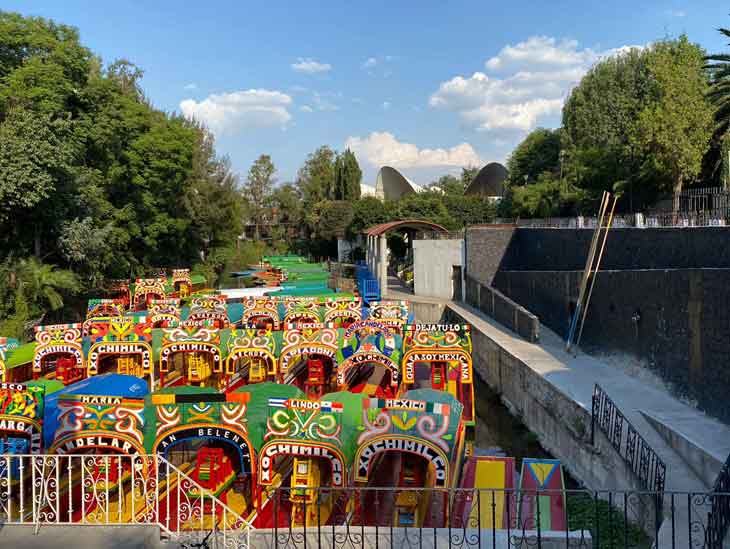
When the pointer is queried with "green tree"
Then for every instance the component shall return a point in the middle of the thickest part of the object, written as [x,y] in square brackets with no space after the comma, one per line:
[331,219]
[259,184]
[674,131]
[537,153]
[34,159]
[348,177]
[316,177]
[366,212]
[28,289]
[287,201]
[718,65]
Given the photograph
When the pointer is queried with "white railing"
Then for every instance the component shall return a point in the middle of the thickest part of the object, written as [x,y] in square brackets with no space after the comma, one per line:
[116,490]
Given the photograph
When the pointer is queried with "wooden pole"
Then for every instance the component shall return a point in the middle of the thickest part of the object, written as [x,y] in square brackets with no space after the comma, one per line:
[595,274]
[587,271]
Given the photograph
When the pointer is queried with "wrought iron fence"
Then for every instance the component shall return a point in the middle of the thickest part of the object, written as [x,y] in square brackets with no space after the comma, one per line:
[148,490]
[485,518]
[641,458]
[118,490]
[718,520]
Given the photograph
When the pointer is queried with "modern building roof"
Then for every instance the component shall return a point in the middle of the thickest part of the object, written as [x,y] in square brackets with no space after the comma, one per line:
[420,224]
[391,184]
[489,181]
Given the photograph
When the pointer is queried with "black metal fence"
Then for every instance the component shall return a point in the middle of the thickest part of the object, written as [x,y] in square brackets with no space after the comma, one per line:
[641,458]
[456,518]
[719,518]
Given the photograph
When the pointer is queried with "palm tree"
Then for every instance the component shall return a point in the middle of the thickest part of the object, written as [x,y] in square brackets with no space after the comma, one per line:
[43,285]
[35,289]
[718,66]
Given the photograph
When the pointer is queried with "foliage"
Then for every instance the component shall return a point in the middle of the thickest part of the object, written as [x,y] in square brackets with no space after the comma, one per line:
[366,212]
[92,177]
[537,153]
[259,184]
[637,124]
[718,65]
[331,218]
[348,177]
[674,131]
[28,289]
[316,178]
[549,197]
[606,523]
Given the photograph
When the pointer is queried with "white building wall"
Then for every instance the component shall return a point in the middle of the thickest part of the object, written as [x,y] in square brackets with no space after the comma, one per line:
[433,262]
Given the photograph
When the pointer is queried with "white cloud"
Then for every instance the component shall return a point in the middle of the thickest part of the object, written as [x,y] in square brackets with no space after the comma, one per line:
[386,105]
[306,108]
[310,66]
[228,112]
[374,65]
[533,79]
[676,13]
[382,148]
[322,101]
[191,86]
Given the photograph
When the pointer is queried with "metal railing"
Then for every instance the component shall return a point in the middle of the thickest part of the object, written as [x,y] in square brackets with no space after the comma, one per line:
[636,452]
[481,518]
[115,490]
[440,235]
[656,219]
[148,490]
[718,521]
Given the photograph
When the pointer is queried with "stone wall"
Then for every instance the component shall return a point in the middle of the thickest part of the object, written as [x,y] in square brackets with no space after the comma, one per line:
[662,295]
[486,248]
[677,321]
[562,424]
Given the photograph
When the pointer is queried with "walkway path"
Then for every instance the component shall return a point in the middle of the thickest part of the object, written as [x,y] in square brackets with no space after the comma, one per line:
[576,375]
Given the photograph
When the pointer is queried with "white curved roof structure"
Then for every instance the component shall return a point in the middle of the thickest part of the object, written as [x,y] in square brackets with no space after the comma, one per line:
[391,184]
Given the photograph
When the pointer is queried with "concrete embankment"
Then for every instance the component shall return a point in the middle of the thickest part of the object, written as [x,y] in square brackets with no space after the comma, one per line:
[550,391]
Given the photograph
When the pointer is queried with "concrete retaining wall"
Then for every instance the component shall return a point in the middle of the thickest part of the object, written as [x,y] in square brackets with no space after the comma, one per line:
[507,312]
[562,425]
[662,295]
[676,320]
[433,262]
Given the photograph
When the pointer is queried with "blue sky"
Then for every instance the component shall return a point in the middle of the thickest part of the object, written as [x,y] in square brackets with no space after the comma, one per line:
[424,86]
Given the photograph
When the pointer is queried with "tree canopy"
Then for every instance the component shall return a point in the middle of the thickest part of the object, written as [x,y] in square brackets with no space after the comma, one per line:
[93,178]
[638,124]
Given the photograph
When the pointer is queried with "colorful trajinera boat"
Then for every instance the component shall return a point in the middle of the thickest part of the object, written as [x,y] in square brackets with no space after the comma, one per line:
[316,395]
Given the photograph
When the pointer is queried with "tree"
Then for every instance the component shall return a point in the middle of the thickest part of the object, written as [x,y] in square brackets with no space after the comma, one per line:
[28,289]
[34,158]
[537,153]
[288,203]
[674,130]
[331,218]
[719,94]
[468,174]
[348,177]
[259,184]
[718,66]
[449,184]
[317,177]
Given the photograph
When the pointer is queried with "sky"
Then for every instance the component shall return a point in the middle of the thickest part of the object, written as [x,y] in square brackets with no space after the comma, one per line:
[424,86]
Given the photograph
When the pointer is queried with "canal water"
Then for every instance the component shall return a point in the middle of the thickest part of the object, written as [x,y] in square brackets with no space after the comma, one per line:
[498,432]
